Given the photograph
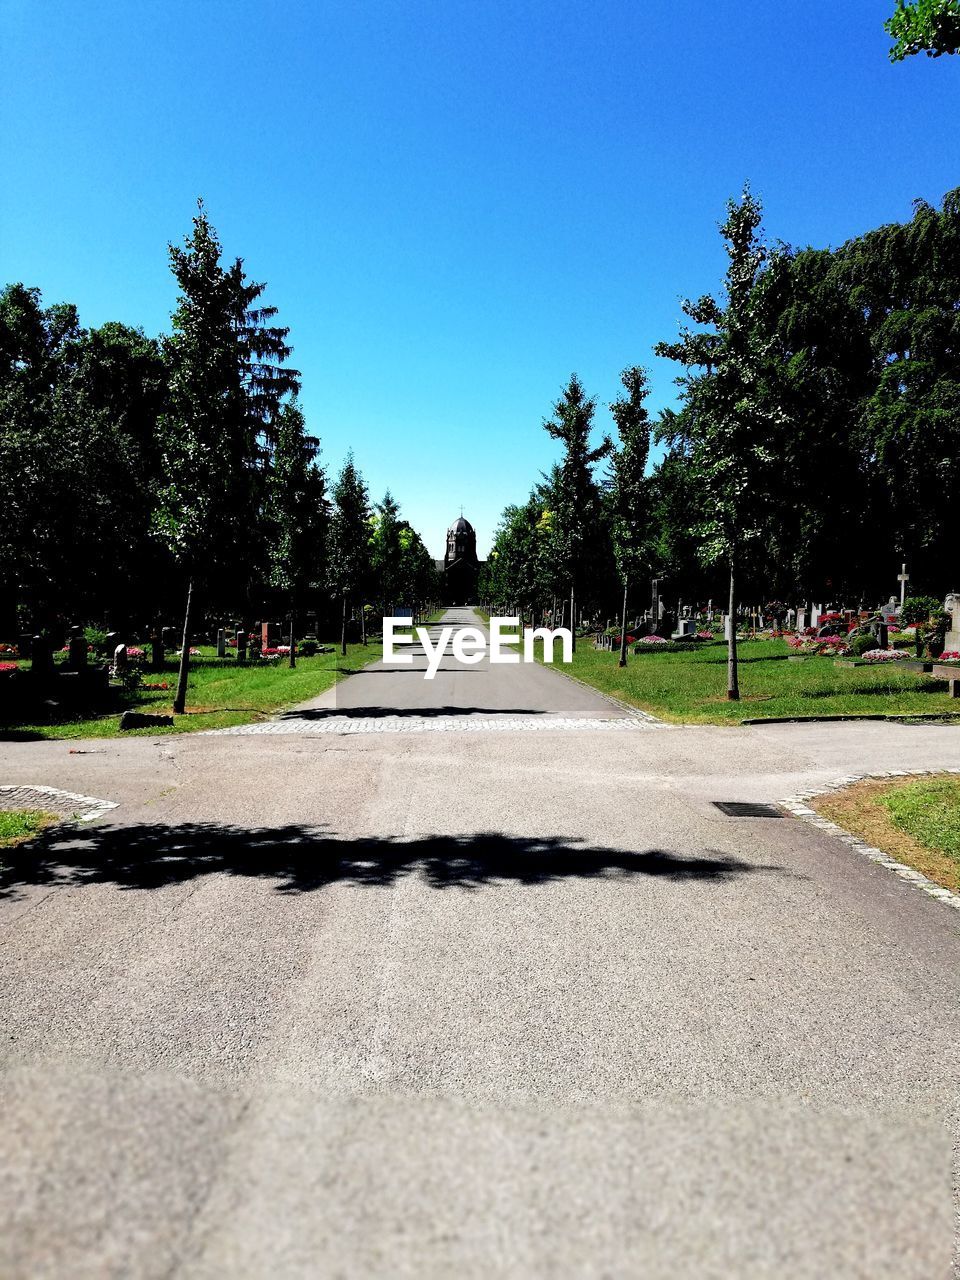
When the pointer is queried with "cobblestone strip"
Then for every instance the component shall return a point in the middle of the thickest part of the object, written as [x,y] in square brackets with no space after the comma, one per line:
[797,805]
[305,726]
[54,800]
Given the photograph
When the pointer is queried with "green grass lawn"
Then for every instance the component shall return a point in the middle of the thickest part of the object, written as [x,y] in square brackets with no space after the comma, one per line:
[18,825]
[220,693]
[929,811]
[690,687]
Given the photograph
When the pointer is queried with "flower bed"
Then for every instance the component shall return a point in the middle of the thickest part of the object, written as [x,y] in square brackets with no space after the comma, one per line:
[819,646]
[659,644]
[885,655]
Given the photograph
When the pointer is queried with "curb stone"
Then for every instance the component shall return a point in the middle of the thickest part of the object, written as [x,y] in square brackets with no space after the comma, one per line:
[797,806]
[67,803]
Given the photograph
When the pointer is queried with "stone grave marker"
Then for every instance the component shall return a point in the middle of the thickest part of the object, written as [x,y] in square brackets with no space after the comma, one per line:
[77,645]
[952,606]
[221,643]
[41,657]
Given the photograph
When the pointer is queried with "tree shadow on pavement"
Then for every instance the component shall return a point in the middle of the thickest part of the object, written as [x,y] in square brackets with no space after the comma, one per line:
[300,859]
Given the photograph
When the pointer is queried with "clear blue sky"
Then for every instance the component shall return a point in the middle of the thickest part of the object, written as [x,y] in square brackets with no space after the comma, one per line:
[454,204]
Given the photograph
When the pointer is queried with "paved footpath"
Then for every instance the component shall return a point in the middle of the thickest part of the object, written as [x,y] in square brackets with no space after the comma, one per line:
[485,1002]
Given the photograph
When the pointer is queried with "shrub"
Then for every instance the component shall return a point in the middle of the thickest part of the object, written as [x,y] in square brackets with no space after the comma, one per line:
[861,644]
[96,638]
[308,648]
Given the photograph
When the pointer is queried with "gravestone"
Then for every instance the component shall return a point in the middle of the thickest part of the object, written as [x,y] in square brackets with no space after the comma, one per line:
[269,635]
[802,619]
[120,660]
[815,616]
[241,646]
[685,627]
[951,606]
[110,643]
[77,645]
[157,651]
[221,643]
[889,610]
[168,636]
[41,658]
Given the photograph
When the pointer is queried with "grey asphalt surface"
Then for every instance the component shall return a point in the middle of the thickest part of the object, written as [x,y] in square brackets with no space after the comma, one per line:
[486,689]
[512,1004]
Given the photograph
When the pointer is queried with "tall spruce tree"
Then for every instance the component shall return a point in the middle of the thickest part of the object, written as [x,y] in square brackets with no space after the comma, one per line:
[629,485]
[577,498]
[349,551]
[296,510]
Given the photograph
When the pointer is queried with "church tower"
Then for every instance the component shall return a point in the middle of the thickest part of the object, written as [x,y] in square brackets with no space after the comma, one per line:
[461,568]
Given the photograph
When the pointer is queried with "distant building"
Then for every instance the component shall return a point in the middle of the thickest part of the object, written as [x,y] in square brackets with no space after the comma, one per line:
[460,566]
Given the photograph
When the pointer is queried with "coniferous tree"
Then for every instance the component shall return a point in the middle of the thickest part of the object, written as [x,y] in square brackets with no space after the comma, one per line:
[577,498]
[629,486]
[296,510]
[349,551]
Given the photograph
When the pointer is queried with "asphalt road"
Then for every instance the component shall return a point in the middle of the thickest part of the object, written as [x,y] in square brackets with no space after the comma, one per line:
[496,1002]
[485,689]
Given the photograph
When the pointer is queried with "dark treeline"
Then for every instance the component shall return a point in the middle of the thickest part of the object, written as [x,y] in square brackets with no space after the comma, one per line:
[132,466]
[814,448]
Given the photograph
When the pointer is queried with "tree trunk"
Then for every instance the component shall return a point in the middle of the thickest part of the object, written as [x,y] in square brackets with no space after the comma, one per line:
[363,625]
[573,624]
[343,628]
[733,683]
[293,648]
[180,701]
[623,629]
